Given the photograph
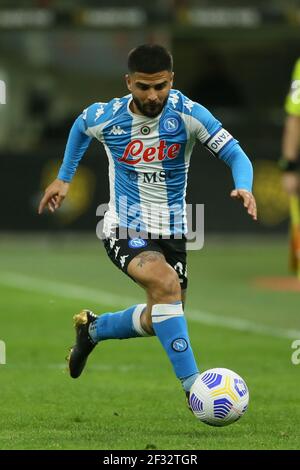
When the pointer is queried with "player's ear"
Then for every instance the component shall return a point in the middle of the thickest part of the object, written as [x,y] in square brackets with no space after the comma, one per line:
[128,81]
[172,79]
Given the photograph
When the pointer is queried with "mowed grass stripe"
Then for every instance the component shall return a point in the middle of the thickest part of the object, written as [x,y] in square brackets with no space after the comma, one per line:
[72,291]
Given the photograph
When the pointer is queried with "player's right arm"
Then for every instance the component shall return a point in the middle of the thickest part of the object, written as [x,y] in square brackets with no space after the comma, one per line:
[289,162]
[54,195]
[78,142]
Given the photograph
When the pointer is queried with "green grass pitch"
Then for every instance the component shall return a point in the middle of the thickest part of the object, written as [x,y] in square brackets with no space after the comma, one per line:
[128,397]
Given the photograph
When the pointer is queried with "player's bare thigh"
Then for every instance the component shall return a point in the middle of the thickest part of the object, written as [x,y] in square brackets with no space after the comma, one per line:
[158,278]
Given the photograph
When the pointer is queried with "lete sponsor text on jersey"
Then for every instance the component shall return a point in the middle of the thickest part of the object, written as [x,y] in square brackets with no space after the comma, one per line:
[136,151]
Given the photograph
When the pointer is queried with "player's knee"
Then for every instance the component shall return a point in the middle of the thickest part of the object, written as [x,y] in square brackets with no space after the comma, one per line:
[165,289]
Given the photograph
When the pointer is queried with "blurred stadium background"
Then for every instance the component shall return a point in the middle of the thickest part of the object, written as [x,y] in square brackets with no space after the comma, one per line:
[56,57]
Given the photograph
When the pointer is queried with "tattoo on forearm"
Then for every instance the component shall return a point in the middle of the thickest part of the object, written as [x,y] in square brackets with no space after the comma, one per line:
[148,256]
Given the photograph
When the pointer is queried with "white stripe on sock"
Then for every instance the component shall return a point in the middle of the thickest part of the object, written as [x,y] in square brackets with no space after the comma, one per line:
[136,320]
[162,312]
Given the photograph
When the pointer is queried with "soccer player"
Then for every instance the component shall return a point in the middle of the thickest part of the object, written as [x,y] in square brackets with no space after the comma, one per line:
[148,136]
[289,161]
[289,164]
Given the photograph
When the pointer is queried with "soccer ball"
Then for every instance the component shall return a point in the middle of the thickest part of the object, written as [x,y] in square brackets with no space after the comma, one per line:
[219,397]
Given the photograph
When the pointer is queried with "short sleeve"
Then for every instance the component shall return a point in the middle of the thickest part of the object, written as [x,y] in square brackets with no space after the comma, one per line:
[292,102]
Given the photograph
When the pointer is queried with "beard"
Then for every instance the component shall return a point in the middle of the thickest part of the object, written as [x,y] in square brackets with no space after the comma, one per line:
[150,110]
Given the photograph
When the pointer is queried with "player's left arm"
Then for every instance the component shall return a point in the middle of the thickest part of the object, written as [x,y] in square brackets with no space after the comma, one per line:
[242,173]
[222,145]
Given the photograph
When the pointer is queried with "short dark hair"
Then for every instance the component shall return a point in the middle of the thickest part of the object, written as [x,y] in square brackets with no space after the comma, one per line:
[149,58]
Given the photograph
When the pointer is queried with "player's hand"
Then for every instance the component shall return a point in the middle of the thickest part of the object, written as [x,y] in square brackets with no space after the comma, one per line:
[248,200]
[54,196]
[290,182]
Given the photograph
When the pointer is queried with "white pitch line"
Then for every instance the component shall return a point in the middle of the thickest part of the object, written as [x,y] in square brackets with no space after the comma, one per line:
[62,289]
[72,291]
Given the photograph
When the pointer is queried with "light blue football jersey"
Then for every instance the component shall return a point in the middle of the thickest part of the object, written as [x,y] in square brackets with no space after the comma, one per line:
[149,158]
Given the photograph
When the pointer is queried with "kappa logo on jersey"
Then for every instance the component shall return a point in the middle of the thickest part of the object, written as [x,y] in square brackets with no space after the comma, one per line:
[174,98]
[117,249]
[117,105]
[99,112]
[117,130]
[189,105]
[180,345]
[137,243]
[123,259]
[112,241]
[137,149]
[171,124]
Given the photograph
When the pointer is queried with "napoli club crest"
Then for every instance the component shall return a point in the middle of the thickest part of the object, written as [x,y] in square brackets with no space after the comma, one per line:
[137,243]
[171,124]
[179,345]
